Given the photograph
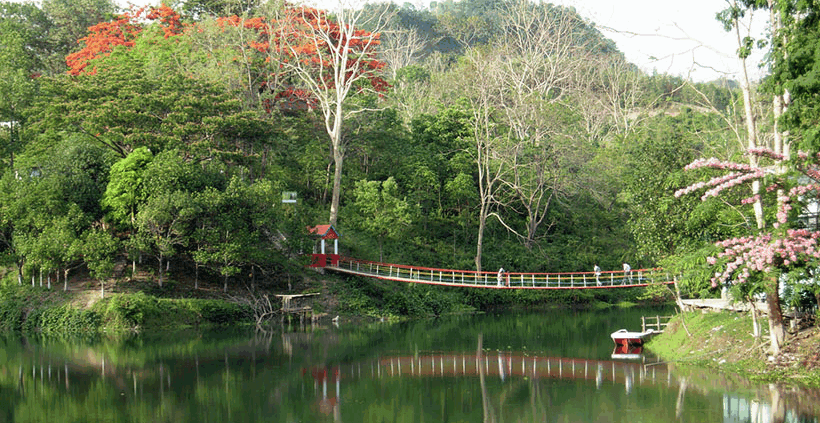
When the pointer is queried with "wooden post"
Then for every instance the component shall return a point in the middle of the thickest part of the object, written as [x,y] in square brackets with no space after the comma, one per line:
[643,323]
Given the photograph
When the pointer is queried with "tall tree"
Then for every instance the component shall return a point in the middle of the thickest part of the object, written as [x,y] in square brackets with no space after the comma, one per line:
[732,19]
[488,137]
[541,55]
[332,60]
[783,245]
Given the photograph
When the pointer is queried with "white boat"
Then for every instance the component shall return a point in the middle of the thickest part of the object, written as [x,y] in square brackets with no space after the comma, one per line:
[625,337]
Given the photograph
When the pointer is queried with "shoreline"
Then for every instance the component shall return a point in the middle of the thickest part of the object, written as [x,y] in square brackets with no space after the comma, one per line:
[723,340]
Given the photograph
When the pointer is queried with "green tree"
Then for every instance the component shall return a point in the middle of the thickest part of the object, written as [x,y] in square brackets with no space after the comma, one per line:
[51,199]
[99,250]
[235,228]
[164,223]
[125,190]
[383,213]
[653,159]
[139,97]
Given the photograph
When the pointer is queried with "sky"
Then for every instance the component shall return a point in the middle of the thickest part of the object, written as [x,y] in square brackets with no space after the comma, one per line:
[680,38]
[677,38]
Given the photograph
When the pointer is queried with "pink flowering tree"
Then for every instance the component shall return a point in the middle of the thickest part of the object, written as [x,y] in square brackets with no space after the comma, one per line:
[776,249]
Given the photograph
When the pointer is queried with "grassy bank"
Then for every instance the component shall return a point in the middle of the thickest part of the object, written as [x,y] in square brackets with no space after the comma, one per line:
[54,312]
[724,341]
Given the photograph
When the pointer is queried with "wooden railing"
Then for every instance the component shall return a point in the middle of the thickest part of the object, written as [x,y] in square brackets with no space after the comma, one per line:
[656,323]
[490,279]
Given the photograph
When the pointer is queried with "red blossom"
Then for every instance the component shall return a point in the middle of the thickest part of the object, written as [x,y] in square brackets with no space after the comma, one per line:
[296,30]
[103,37]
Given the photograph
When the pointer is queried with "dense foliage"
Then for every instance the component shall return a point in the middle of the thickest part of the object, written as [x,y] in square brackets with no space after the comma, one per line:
[473,135]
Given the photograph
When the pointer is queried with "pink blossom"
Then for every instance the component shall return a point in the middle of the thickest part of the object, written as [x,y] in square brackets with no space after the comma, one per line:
[763,252]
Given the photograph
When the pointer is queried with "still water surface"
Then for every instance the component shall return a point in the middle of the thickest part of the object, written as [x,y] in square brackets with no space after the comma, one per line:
[554,366]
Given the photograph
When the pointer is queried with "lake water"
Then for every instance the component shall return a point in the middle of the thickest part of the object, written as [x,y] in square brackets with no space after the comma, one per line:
[549,366]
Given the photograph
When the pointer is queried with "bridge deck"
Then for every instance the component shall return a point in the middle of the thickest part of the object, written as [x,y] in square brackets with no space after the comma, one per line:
[511,280]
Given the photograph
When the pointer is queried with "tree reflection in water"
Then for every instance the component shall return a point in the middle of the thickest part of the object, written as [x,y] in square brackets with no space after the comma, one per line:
[324,376]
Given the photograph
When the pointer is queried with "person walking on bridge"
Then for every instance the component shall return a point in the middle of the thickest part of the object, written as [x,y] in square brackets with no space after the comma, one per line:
[500,276]
[627,273]
[597,270]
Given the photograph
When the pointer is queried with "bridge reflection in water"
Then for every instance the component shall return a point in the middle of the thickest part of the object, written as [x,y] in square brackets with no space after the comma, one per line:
[511,365]
[504,365]
[507,365]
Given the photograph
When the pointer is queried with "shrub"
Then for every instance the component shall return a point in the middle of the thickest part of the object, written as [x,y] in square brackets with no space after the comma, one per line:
[64,319]
[121,312]
[11,310]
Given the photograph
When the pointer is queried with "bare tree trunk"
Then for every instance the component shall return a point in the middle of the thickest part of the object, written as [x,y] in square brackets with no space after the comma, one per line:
[20,264]
[751,128]
[345,53]
[65,280]
[160,270]
[777,332]
[755,320]
[778,414]
[482,223]
[338,158]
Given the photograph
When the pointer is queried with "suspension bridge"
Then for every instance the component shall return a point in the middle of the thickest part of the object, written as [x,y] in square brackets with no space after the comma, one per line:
[492,280]
[476,279]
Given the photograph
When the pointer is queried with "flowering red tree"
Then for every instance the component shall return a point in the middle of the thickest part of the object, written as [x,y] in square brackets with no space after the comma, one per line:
[122,31]
[102,38]
[322,61]
[771,252]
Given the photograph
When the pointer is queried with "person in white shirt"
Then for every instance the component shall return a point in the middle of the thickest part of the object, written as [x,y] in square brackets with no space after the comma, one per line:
[627,272]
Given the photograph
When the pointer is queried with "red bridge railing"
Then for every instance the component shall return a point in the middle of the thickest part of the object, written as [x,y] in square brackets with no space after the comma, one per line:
[489,279]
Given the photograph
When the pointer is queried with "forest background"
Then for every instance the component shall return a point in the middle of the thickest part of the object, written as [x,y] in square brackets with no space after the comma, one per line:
[468,135]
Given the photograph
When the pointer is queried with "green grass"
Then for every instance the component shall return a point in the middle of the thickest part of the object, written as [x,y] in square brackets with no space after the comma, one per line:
[724,341]
[714,337]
